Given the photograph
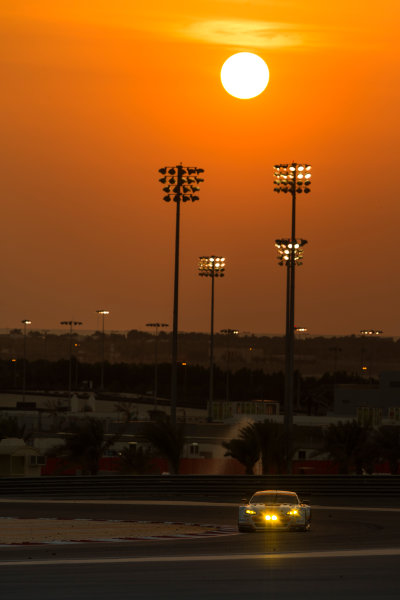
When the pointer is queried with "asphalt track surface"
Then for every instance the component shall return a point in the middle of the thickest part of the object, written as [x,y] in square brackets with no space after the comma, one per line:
[351,552]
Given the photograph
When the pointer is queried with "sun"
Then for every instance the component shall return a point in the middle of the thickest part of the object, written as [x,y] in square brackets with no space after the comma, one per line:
[244,75]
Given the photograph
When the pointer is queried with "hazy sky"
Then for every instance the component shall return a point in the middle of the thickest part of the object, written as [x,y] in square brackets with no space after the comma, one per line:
[98,95]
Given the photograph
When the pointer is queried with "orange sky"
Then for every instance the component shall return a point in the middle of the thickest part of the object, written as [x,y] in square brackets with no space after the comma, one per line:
[97,96]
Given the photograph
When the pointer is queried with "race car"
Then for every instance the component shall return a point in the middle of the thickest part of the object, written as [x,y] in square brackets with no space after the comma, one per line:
[274,509]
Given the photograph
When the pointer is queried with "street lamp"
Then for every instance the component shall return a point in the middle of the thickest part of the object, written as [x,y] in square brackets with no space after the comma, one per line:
[211,266]
[293,179]
[70,324]
[25,322]
[156,326]
[180,185]
[229,333]
[103,313]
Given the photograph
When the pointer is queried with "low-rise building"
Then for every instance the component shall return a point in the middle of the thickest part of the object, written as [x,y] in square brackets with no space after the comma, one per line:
[18,459]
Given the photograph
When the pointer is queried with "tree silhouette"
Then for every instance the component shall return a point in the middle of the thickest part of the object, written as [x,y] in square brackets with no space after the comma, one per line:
[56,409]
[349,445]
[167,439]
[134,460]
[9,428]
[271,441]
[85,444]
[261,438]
[387,439]
[245,449]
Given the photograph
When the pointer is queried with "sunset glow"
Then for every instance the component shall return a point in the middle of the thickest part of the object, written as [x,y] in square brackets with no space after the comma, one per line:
[97,96]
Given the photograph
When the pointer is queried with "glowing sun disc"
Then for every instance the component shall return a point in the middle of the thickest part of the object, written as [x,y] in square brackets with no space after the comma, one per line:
[244,75]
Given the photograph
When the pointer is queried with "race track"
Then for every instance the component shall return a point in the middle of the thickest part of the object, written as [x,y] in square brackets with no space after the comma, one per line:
[350,553]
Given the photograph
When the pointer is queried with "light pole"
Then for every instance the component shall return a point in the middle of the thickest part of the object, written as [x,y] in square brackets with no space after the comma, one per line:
[103,314]
[211,266]
[25,322]
[181,185]
[335,352]
[294,179]
[156,326]
[369,333]
[230,333]
[70,324]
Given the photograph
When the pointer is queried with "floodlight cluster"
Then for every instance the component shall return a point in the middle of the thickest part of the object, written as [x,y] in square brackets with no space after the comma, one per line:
[181,183]
[211,266]
[292,178]
[290,251]
[371,332]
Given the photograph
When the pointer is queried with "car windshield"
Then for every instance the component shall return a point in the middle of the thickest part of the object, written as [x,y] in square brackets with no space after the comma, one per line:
[274,499]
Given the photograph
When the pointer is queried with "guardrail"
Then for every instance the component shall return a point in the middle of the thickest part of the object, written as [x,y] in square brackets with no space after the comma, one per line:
[222,487]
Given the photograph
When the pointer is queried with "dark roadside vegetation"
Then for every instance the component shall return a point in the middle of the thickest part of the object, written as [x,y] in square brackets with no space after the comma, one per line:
[313,395]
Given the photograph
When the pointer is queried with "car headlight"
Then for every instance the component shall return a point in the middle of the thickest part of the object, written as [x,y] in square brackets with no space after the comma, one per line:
[250,512]
[271,517]
[293,512]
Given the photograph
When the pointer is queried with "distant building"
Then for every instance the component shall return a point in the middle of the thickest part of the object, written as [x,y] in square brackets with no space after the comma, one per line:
[255,410]
[370,404]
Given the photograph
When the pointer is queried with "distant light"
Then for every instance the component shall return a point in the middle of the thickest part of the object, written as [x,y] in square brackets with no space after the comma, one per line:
[211,266]
[291,178]
[290,251]
[371,332]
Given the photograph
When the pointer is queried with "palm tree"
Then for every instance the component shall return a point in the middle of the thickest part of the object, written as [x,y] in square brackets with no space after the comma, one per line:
[56,409]
[387,439]
[127,409]
[245,449]
[271,441]
[85,444]
[9,428]
[135,461]
[349,445]
[265,438]
[168,440]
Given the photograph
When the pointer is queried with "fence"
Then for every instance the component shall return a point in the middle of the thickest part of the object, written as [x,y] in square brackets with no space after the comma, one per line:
[229,488]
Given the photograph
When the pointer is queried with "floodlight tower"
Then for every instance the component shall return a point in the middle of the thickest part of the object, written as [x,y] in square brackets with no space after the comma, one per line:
[294,179]
[70,324]
[156,326]
[25,322]
[229,333]
[181,185]
[211,266]
[103,314]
